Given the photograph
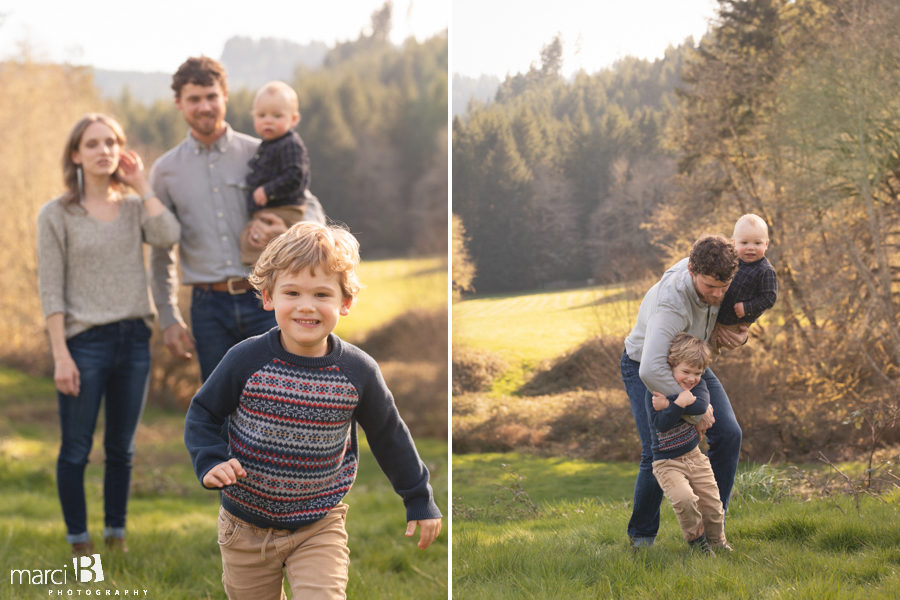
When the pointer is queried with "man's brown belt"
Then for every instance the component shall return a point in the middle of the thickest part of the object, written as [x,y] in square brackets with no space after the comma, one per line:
[232,285]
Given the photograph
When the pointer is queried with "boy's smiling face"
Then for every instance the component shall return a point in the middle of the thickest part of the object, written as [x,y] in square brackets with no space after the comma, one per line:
[686,375]
[307,306]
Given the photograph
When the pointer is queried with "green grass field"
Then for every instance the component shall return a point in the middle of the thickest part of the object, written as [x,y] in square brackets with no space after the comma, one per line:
[527,329]
[172,520]
[535,326]
[529,528]
[391,287]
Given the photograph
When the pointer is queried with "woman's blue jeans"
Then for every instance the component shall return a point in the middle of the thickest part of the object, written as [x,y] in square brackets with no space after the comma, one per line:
[114,365]
[724,439]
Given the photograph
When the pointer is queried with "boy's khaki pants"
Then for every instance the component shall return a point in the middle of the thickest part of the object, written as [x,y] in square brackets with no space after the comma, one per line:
[315,558]
[688,482]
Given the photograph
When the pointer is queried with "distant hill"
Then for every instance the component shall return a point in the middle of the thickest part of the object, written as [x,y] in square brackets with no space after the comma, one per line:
[466,88]
[249,63]
[143,87]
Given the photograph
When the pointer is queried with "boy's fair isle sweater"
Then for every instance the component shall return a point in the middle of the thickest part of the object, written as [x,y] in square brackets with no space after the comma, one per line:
[672,437]
[293,429]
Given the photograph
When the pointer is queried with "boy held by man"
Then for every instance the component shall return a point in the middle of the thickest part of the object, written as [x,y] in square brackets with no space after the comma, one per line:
[292,399]
[754,287]
[279,170]
[682,471]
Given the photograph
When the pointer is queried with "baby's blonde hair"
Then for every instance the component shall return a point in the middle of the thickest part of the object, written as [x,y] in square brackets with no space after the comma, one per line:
[751,220]
[309,246]
[279,88]
[685,348]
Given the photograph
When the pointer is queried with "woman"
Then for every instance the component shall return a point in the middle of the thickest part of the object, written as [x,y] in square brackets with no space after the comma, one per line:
[93,289]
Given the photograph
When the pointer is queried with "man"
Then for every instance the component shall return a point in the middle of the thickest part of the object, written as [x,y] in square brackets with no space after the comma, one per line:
[201,181]
[685,299]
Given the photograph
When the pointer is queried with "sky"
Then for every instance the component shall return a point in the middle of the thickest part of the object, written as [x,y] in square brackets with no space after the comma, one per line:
[500,37]
[157,35]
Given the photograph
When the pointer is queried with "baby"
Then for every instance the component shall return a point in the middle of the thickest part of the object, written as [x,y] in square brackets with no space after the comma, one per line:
[279,171]
[754,287]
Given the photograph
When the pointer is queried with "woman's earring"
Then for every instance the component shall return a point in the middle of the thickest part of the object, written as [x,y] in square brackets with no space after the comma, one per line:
[80,177]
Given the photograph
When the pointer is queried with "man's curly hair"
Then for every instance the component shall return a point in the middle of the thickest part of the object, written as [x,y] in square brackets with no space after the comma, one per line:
[199,70]
[715,257]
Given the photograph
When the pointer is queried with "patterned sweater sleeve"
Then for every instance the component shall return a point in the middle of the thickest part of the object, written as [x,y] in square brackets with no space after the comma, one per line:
[217,398]
[391,442]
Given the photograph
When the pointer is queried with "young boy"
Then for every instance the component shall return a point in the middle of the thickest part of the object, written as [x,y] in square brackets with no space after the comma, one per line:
[292,399]
[279,171]
[683,472]
[754,287]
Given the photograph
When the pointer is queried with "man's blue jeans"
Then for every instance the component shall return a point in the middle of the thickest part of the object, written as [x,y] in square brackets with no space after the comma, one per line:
[724,439]
[220,320]
[113,361]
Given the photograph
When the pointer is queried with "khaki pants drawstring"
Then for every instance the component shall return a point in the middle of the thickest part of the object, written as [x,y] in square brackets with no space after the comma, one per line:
[262,554]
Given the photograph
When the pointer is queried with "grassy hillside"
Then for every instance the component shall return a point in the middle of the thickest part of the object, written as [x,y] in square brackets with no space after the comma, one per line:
[392,287]
[528,527]
[172,520]
[529,328]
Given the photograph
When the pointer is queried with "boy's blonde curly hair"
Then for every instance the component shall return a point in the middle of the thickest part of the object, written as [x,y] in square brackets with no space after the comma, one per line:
[685,348]
[309,246]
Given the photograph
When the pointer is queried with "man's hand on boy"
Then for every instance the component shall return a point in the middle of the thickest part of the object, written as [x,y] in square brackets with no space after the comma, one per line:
[730,339]
[431,528]
[225,473]
[706,421]
[660,402]
[739,310]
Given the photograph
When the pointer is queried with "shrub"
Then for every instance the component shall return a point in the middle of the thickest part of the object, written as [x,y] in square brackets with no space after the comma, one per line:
[420,391]
[591,366]
[475,370]
[585,425]
[416,335]
[412,353]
